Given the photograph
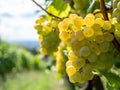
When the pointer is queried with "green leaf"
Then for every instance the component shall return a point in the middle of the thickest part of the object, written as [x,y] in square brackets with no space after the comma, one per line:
[59,8]
[107,0]
[90,1]
[93,5]
[112,80]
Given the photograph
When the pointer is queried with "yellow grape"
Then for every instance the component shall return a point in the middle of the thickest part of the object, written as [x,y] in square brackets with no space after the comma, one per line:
[107,25]
[88,32]
[48,27]
[79,63]
[64,35]
[71,70]
[99,21]
[72,57]
[54,23]
[79,35]
[76,78]
[89,20]
[68,63]
[43,51]
[78,22]
[97,29]
[72,17]
[40,20]
[41,38]
[63,26]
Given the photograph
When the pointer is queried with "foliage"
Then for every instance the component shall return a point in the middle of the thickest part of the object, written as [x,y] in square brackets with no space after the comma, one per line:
[17,59]
[8,59]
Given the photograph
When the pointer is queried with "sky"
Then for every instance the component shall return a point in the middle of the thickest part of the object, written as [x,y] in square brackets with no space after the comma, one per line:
[17,19]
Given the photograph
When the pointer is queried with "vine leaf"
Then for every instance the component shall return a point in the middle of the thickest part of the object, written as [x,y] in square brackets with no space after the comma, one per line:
[59,8]
[107,1]
[112,80]
[93,5]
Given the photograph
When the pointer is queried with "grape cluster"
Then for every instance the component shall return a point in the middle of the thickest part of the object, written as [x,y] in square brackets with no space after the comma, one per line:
[61,59]
[90,40]
[116,9]
[48,35]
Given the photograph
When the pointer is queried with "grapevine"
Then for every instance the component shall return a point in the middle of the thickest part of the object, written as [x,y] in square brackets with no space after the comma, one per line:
[85,43]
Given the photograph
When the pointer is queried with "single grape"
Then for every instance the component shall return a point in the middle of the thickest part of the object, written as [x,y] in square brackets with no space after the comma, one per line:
[85,51]
[92,57]
[104,47]
[107,25]
[79,63]
[88,32]
[95,48]
[76,78]
[64,35]
[99,21]
[108,36]
[79,35]
[99,39]
[78,21]
[40,20]
[89,20]
[68,63]
[72,57]
[71,70]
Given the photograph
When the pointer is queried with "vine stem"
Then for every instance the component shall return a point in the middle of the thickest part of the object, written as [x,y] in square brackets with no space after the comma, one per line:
[103,10]
[45,10]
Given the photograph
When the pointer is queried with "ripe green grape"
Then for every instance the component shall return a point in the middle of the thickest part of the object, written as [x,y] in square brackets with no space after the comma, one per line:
[79,63]
[85,51]
[76,78]
[95,48]
[92,57]
[107,25]
[108,36]
[99,39]
[118,5]
[104,47]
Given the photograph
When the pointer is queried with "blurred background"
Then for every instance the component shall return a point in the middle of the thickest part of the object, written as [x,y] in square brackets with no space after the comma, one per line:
[21,65]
